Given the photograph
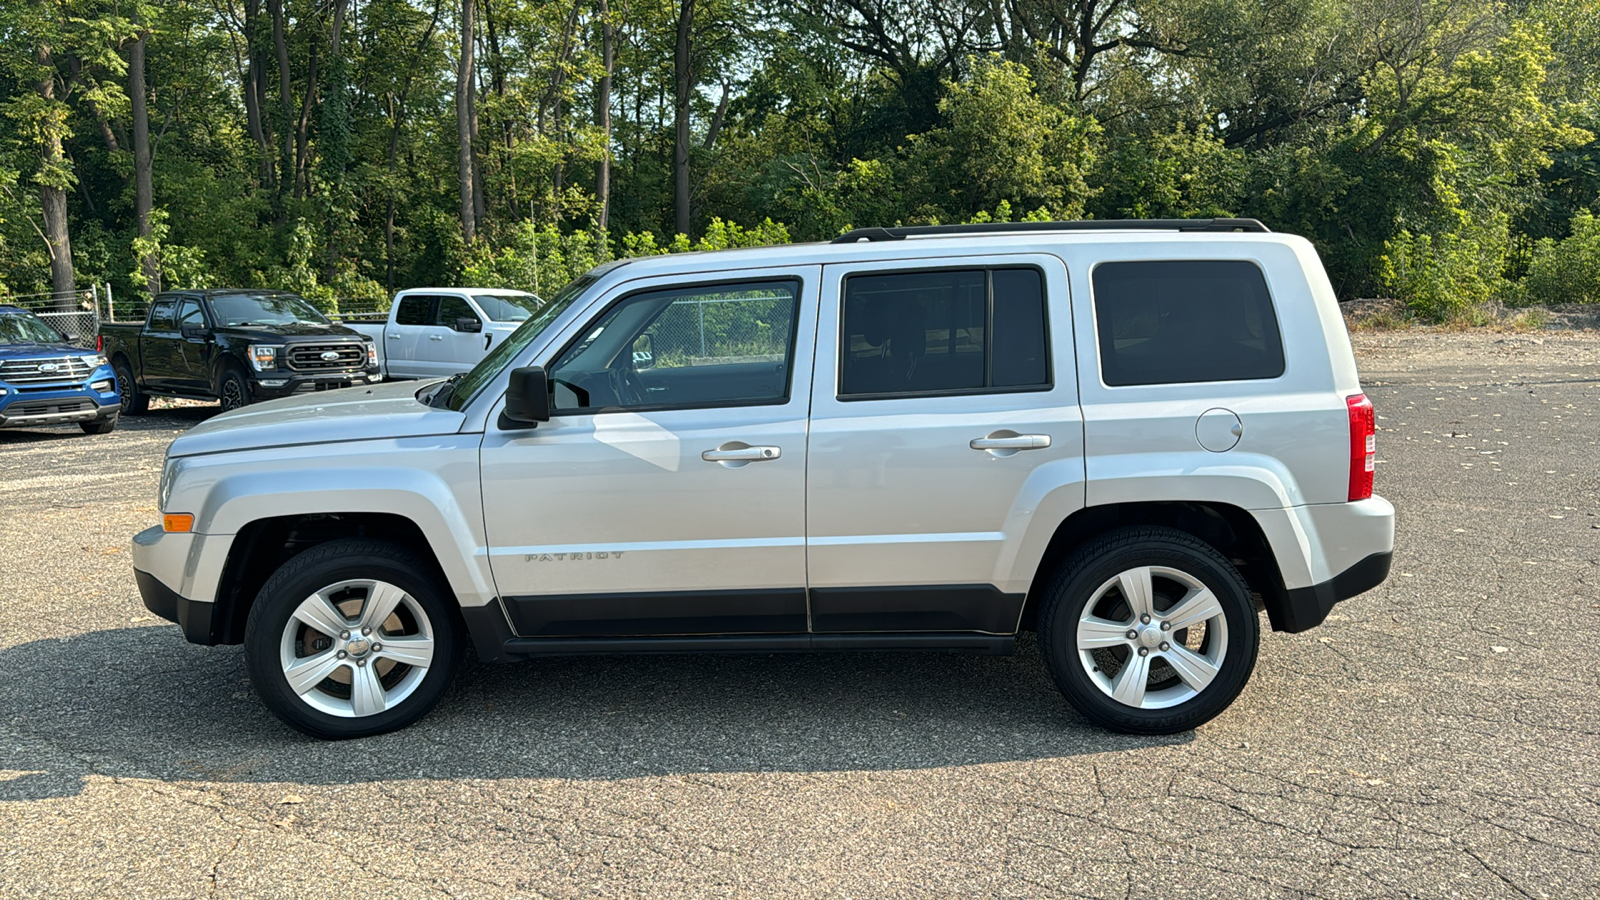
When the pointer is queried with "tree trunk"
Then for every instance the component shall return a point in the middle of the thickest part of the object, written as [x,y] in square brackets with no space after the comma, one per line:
[280,41]
[143,189]
[255,91]
[464,126]
[683,86]
[602,116]
[52,198]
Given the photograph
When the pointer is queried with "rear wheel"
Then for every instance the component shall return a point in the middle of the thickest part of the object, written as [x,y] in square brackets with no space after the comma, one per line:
[352,638]
[1149,631]
[134,402]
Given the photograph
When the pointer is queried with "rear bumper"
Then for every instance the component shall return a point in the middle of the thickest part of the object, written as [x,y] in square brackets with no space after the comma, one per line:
[1305,608]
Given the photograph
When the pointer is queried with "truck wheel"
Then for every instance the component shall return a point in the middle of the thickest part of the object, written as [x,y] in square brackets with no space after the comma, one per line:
[99,426]
[233,390]
[1149,631]
[134,401]
[352,638]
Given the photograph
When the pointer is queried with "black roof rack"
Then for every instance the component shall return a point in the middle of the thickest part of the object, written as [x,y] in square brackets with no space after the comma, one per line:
[898,234]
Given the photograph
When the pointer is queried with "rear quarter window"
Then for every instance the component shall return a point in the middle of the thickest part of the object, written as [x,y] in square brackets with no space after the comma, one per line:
[1178,321]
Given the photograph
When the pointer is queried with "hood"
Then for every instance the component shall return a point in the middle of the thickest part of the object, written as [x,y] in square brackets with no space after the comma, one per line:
[383,411]
[40,351]
[309,330]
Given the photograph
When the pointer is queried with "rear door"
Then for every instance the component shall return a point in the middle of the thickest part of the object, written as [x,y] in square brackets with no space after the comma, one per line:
[940,424]
[403,338]
[158,344]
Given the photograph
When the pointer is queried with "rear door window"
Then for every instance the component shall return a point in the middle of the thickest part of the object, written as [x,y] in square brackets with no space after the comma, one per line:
[413,310]
[939,332]
[1177,321]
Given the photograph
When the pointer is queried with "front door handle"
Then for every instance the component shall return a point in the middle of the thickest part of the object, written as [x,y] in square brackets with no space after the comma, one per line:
[1010,440]
[735,454]
[435,337]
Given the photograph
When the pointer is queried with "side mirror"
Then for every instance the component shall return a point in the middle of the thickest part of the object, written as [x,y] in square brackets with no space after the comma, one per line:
[468,324]
[193,330]
[644,356]
[528,397]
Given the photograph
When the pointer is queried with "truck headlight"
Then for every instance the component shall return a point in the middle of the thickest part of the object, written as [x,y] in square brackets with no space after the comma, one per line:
[96,361]
[372,353]
[264,357]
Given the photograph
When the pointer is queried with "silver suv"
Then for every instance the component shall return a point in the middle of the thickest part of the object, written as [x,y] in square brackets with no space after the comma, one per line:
[1127,436]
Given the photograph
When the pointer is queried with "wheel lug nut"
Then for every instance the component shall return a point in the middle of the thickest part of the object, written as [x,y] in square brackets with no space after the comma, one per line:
[343,654]
[1165,646]
[1145,618]
[1144,651]
[361,662]
[376,647]
[1166,626]
[344,635]
[366,631]
[1132,634]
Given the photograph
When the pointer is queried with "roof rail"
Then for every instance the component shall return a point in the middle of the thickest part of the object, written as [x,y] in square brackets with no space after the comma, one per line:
[898,234]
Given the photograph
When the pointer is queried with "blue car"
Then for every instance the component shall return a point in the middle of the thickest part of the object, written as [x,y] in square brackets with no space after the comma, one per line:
[46,381]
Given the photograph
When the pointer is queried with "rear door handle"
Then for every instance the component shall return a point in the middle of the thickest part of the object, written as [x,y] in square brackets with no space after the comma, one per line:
[435,337]
[394,337]
[1008,441]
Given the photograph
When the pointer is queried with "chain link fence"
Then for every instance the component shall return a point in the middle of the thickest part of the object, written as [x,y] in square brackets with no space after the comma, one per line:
[77,318]
[722,329]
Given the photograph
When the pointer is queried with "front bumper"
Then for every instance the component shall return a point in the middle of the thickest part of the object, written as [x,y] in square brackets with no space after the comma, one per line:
[32,406]
[274,385]
[192,616]
[171,568]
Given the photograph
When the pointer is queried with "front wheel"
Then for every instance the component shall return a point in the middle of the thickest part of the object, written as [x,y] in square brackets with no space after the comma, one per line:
[233,390]
[352,638]
[1149,631]
[99,426]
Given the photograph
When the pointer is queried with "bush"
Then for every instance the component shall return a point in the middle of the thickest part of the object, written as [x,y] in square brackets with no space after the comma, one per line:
[1565,271]
[1443,276]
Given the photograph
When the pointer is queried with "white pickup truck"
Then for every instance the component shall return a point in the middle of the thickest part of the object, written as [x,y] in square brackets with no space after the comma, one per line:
[434,332]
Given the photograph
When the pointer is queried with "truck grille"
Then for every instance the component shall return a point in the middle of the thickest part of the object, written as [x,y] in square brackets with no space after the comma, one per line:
[60,370]
[49,408]
[309,357]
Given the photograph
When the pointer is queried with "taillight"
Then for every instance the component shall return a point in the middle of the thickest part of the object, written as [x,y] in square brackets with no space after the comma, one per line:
[1363,445]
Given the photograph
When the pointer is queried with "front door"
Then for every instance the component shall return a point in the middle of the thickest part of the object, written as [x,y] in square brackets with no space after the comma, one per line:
[666,495]
[936,400]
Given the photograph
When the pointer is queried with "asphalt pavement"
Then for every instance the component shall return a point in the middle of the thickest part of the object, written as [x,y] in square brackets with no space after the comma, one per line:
[1439,736]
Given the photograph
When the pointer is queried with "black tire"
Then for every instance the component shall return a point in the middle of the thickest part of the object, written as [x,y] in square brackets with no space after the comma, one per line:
[233,389]
[134,401]
[99,426]
[274,639]
[1226,643]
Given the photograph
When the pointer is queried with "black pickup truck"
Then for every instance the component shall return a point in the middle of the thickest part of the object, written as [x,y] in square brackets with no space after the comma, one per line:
[237,346]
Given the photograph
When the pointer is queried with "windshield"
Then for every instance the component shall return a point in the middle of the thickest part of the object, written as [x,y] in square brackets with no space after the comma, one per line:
[264,309]
[463,388]
[23,328]
[508,307]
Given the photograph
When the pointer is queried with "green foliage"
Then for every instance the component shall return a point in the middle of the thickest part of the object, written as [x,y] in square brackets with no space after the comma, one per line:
[1568,270]
[1445,275]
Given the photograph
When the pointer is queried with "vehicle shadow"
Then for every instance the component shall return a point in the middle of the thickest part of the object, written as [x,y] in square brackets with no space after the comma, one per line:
[137,702]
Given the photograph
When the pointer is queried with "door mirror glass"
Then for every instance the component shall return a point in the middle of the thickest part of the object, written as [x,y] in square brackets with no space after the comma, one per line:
[644,356]
[468,325]
[193,330]
[527,397]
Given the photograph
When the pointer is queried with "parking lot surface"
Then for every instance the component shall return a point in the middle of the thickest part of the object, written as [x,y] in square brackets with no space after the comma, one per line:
[1437,737]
